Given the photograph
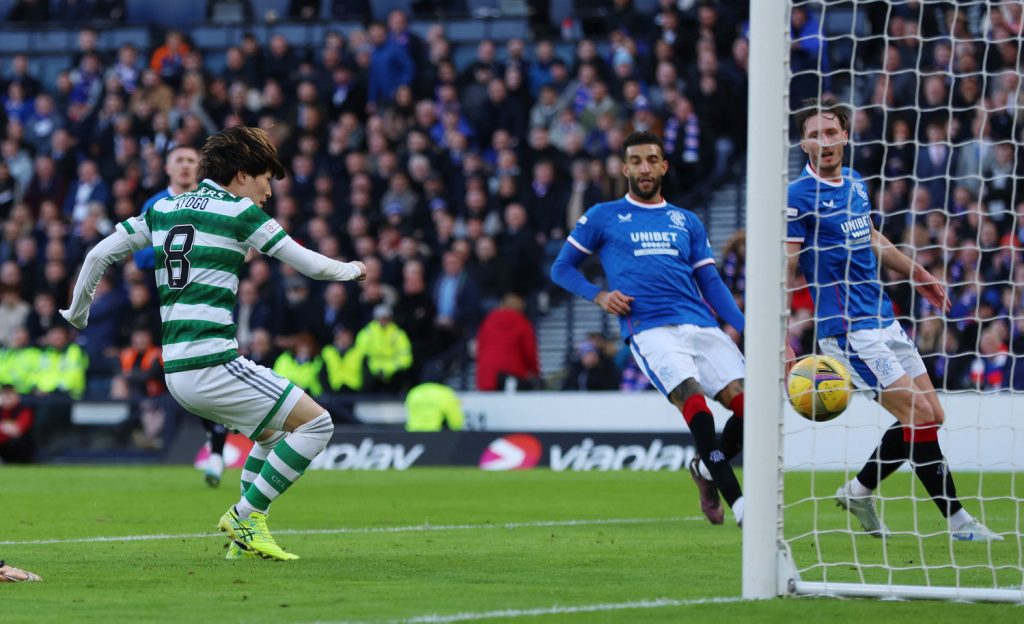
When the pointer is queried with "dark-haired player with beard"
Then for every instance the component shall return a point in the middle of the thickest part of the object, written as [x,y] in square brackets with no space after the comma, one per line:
[660,271]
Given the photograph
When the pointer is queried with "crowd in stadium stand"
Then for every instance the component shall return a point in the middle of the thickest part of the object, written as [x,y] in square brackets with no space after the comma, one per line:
[456,185]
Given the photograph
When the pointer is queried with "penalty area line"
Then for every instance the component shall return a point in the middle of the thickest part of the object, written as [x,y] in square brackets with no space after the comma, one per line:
[556,610]
[415,528]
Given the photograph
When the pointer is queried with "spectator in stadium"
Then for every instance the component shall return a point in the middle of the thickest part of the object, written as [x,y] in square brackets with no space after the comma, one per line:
[506,348]
[14,311]
[343,364]
[457,299]
[167,60]
[386,352]
[16,445]
[87,190]
[590,370]
[63,365]
[416,313]
[302,365]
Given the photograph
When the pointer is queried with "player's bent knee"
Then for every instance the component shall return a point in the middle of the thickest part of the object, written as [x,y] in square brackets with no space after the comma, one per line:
[320,429]
[682,393]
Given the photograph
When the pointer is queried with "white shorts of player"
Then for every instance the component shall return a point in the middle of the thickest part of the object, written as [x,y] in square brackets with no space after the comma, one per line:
[239,394]
[672,354]
[876,358]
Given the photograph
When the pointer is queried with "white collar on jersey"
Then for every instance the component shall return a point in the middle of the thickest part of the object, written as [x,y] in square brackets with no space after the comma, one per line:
[640,204]
[814,174]
[210,182]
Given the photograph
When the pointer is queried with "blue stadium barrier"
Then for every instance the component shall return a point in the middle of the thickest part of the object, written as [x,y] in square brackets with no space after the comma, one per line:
[464,31]
[115,38]
[379,9]
[12,41]
[503,30]
[261,7]
[176,14]
[52,41]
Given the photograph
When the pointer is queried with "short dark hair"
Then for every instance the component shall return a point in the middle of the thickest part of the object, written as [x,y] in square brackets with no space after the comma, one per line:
[642,138]
[238,149]
[827,106]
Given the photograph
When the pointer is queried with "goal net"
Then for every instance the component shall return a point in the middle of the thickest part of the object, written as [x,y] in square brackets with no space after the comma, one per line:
[934,88]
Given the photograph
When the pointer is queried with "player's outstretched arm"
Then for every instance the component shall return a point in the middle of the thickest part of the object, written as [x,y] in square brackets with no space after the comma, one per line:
[924,282]
[316,265]
[565,273]
[108,251]
[717,294]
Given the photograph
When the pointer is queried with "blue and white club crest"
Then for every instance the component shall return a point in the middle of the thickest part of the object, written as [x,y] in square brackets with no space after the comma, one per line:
[859,187]
[678,219]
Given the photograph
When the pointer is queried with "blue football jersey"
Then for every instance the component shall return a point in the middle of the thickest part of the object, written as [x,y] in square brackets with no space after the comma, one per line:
[833,221]
[146,258]
[649,252]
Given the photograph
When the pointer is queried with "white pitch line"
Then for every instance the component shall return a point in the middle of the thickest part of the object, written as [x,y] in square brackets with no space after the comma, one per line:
[416,528]
[593,608]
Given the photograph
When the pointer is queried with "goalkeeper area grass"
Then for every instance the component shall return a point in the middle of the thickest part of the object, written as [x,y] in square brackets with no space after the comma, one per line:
[118,544]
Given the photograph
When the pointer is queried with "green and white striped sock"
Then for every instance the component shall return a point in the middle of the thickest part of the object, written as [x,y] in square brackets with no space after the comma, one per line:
[285,464]
[257,457]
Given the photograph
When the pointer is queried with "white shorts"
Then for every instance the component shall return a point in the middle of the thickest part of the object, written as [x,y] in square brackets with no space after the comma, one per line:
[239,394]
[876,358]
[671,354]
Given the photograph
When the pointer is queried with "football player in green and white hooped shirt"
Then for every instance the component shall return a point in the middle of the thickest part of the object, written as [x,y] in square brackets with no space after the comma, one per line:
[200,239]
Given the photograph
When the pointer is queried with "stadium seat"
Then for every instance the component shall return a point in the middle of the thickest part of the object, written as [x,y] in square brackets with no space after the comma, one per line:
[47,67]
[463,56]
[381,8]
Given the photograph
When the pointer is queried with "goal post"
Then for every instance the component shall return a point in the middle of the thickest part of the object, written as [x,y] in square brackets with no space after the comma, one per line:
[795,540]
[765,306]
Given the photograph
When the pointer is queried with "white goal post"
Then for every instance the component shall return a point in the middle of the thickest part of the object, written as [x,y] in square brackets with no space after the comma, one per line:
[945,569]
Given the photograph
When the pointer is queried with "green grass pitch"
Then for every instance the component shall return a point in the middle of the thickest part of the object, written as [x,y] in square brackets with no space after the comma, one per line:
[455,544]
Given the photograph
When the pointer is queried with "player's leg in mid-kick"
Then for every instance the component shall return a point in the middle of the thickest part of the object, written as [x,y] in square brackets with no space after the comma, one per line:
[711,469]
[278,459]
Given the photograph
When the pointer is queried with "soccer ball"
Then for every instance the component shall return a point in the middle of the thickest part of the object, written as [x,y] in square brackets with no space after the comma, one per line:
[819,388]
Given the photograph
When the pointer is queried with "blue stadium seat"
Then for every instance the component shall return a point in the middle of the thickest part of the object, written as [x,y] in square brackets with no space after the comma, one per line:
[12,41]
[138,37]
[52,41]
[464,31]
[380,8]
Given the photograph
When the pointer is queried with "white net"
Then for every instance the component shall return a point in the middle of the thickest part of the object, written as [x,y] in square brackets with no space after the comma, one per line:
[934,88]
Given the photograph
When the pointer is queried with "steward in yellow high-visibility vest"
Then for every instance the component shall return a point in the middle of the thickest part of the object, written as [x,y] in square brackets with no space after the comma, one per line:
[343,363]
[432,407]
[304,367]
[62,366]
[386,351]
